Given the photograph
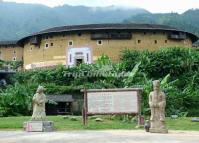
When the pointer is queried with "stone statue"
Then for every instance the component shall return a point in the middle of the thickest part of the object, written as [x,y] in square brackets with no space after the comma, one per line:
[39,101]
[157,103]
[39,122]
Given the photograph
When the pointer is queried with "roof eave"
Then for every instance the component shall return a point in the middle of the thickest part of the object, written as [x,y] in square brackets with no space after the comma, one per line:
[193,37]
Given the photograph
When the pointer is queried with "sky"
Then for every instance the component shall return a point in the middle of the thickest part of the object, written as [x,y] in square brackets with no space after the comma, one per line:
[154,6]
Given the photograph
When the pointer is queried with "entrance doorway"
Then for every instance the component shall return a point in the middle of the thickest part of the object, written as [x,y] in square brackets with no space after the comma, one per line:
[77,56]
[79,62]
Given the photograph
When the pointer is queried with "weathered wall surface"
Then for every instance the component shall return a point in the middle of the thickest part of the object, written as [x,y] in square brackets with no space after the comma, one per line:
[11,53]
[57,53]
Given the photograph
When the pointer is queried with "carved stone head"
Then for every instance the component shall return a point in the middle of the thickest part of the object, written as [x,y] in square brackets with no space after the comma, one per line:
[40,89]
[156,85]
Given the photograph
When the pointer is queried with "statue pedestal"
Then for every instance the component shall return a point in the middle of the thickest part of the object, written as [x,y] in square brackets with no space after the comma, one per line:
[158,127]
[155,130]
[38,126]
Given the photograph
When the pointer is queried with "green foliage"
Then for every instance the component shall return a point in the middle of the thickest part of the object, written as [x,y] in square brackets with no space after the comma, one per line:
[177,68]
[14,65]
[159,63]
[132,75]
[16,100]
[103,60]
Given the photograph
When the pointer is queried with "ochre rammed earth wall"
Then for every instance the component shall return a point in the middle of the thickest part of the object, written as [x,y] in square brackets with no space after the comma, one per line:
[58,52]
[11,53]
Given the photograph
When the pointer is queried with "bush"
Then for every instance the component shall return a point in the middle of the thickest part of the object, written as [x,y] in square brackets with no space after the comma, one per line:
[16,100]
[177,68]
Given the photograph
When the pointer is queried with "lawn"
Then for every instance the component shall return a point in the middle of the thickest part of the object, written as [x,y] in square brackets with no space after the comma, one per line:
[10,123]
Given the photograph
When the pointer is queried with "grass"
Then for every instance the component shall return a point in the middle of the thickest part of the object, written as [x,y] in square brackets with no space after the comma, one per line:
[15,123]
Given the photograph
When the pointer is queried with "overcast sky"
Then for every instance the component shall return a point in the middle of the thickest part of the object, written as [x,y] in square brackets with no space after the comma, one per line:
[160,6]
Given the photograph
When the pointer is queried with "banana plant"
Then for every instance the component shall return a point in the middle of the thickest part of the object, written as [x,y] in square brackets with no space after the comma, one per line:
[127,81]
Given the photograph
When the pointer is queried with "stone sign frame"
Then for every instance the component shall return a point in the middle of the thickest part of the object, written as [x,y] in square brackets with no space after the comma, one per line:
[85,112]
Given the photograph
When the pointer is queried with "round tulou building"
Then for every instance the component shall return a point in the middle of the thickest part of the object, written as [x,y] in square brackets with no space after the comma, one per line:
[10,51]
[72,45]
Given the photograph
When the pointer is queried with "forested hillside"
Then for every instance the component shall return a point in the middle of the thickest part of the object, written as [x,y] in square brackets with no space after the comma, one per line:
[19,20]
[188,21]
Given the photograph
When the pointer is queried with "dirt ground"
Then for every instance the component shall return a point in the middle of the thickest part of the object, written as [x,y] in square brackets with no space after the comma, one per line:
[105,136]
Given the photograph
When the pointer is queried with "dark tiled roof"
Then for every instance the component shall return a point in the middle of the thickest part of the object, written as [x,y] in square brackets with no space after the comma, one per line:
[60,98]
[90,27]
[98,27]
[5,43]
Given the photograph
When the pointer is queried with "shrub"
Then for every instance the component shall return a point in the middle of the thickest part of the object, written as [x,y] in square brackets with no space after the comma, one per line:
[177,68]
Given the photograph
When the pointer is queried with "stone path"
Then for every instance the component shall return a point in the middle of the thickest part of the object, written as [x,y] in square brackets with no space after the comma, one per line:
[105,136]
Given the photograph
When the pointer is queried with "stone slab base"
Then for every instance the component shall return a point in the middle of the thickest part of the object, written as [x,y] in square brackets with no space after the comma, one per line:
[195,119]
[38,126]
[154,130]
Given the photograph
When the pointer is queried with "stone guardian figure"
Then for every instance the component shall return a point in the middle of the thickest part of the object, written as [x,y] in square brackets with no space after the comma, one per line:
[157,103]
[39,122]
[39,101]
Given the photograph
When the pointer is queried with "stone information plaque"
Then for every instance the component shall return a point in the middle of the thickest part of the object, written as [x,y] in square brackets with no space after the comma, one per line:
[115,101]
[112,102]
[34,126]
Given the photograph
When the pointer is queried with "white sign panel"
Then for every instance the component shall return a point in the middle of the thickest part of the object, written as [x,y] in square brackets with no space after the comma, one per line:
[112,102]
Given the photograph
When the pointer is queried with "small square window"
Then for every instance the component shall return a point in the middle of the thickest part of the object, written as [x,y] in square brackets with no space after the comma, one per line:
[46,37]
[79,34]
[155,41]
[166,41]
[70,43]
[154,33]
[144,33]
[99,42]
[46,45]
[51,44]
[14,58]
[14,52]
[139,41]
